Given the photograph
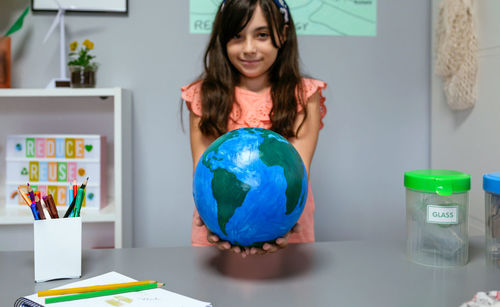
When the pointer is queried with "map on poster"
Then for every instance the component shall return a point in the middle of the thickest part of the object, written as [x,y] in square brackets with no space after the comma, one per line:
[311,17]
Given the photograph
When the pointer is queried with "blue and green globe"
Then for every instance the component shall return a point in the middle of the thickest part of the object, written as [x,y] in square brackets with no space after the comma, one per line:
[250,186]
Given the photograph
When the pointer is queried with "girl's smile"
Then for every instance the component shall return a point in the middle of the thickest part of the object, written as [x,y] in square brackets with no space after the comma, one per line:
[250,63]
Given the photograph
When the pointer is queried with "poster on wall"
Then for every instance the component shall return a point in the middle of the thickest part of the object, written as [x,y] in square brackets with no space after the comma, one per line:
[110,6]
[311,17]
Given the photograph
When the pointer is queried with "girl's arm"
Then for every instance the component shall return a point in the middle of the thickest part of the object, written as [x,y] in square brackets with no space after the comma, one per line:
[307,138]
[305,144]
[199,142]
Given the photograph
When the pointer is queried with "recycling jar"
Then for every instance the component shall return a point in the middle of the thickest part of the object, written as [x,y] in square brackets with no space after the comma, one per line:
[491,186]
[437,204]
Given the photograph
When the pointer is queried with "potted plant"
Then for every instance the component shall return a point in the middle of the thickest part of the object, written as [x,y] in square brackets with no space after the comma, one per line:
[5,57]
[81,65]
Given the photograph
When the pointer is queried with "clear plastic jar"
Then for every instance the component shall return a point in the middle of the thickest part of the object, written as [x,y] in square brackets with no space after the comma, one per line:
[491,186]
[437,204]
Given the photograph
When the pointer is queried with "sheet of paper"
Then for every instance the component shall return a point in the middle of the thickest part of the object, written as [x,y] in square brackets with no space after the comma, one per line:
[154,297]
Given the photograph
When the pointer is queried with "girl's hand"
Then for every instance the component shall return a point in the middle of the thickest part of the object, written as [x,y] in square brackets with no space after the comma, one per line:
[220,244]
[281,243]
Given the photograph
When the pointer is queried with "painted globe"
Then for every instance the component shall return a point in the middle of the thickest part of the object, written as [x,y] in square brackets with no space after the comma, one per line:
[250,186]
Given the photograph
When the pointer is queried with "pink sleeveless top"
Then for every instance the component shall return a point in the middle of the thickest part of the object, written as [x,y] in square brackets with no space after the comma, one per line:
[252,110]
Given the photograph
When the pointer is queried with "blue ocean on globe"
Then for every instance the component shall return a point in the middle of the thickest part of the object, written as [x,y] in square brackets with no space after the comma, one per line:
[250,186]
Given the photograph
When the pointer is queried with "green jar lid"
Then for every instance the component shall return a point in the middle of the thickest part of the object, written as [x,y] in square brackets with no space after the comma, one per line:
[439,181]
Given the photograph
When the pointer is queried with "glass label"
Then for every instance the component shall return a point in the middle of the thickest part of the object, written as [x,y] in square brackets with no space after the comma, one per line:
[442,215]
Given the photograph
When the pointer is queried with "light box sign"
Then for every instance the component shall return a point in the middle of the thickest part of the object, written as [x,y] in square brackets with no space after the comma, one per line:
[50,163]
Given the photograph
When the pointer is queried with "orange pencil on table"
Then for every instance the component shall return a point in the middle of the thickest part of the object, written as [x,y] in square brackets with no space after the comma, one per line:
[94,288]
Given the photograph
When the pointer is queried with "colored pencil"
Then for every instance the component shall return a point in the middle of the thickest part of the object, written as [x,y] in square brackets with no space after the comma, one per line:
[79,200]
[80,296]
[29,203]
[93,288]
[30,192]
[39,208]
[70,212]
[24,196]
[70,208]
[46,210]
[84,184]
[75,188]
[49,201]
[33,210]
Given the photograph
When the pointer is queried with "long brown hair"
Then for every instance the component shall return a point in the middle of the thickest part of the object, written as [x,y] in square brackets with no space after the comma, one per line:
[220,77]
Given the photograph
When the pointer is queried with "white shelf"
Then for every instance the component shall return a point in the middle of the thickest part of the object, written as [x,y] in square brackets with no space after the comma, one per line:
[63,92]
[103,111]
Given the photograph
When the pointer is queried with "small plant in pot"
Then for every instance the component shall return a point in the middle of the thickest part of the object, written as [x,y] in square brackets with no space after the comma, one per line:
[81,65]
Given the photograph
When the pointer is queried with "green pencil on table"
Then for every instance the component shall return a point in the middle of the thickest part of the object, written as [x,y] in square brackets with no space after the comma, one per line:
[81,296]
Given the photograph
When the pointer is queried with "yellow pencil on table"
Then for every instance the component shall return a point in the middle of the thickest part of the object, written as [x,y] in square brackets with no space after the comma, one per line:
[93,288]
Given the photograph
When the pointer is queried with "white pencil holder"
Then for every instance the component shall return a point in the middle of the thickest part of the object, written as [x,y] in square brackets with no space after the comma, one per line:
[58,248]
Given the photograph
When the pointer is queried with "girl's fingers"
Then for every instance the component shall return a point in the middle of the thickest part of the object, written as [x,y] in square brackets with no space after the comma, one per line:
[220,247]
[211,238]
[266,246]
[198,221]
[224,245]
[297,228]
[256,251]
[282,242]
[273,249]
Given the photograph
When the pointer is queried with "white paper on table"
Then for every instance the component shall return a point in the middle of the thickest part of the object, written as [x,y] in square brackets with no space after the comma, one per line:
[152,297]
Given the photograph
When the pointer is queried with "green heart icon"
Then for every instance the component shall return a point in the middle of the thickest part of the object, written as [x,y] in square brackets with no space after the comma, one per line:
[88,148]
[24,171]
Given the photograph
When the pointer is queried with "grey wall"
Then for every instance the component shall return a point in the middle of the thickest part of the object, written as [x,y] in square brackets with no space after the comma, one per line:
[468,140]
[377,124]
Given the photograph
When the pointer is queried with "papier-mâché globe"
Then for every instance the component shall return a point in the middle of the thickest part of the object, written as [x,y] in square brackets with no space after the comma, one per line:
[250,186]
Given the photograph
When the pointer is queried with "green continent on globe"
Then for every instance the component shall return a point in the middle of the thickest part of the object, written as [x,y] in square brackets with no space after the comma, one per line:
[276,152]
[229,192]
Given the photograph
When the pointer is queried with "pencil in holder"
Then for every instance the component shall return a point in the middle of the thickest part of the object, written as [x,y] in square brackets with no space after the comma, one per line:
[58,248]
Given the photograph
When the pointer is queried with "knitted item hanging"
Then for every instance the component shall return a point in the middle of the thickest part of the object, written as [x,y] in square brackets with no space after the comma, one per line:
[456,61]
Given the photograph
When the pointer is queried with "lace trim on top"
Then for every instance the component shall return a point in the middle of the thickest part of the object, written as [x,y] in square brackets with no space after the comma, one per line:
[252,109]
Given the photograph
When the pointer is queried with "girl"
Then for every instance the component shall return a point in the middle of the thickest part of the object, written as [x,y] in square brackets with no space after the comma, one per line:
[252,79]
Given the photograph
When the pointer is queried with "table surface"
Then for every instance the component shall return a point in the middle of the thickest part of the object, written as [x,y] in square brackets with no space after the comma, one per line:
[343,273]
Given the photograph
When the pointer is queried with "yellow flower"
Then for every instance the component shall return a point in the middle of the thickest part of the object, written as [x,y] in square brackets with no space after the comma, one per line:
[88,44]
[73,46]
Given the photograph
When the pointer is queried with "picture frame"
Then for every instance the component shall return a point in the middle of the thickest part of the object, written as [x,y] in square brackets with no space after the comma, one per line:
[89,6]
